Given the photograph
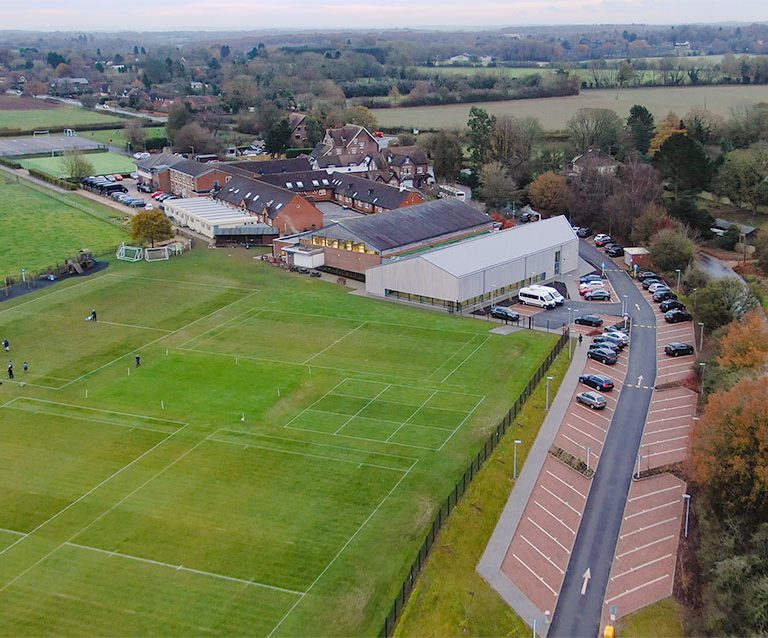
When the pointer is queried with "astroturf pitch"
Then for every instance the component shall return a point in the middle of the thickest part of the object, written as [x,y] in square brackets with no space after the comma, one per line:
[270,468]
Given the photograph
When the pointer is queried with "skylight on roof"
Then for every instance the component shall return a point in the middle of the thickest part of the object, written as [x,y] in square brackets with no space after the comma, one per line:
[289,185]
[237,191]
[247,195]
[315,182]
[300,184]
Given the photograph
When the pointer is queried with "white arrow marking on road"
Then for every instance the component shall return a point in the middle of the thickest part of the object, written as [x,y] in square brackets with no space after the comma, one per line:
[640,380]
[638,307]
[586,577]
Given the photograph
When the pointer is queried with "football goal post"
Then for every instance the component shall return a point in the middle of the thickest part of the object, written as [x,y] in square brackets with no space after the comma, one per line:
[157,254]
[41,133]
[130,253]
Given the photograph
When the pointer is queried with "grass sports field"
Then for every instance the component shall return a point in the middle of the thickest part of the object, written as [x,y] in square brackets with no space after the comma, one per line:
[39,228]
[269,470]
[39,119]
[103,164]
[116,137]
[553,113]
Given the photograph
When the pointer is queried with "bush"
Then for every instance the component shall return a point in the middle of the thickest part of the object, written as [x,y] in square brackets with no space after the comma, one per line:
[671,250]
[61,183]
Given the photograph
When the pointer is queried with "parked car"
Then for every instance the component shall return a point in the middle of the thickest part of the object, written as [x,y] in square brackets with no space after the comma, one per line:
[613,347]
[603,355]
[616,328]
[594,400]
[587,278]
[619,334]
[663,295]
[606,340]
[647,283]
[677,315]
[615,251]
[602,239]
[502,312]
[591,285]
[118,177]
[140,156]
[583,232]
[646,274]
[156,194]
[601,294]
[144,188]
[589,320]
[559,299]
[676,349]
[671,304]
[597,381]
[619,338]
[137,203]
[655,287]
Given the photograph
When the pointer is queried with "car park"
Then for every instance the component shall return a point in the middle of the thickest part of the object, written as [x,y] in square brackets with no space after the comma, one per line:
[600,382]
[677,349]
[502,312]
[144,188]
[559,299]
[647,283]
[646,274]
[655,287]
[671,304]
[600,294]
[583,232]
[605,339]
[602,239]
[615,251]
[618,338]
[677,315]
[591,285]
[663,295]
[603,355]
[589,320]
[587,278]
[594,400]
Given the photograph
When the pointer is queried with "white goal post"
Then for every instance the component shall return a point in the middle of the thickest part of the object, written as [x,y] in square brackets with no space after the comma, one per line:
[40,133]
[130,253]
[157,254]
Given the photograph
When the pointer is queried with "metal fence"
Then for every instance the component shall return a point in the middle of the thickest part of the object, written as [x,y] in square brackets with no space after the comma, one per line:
[461,486]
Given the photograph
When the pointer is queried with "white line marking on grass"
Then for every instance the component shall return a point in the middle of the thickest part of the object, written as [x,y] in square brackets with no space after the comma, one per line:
[464,420]
[184,283]
[13,532]
[465,359]
[21,383]
[346,415]
[350,419]
[160,338]
[92,490]
[57,291]
[100,516]
[90,409]
[314,403]
[89,420]
[363,438]
[455,354]
[256,312]
[328,347]
[307,454]
[389,438]
[181,568]
[131,325]
[341,551]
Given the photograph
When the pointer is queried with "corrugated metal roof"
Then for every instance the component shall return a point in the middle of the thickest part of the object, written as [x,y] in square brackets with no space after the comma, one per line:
[480,253]
[410,225]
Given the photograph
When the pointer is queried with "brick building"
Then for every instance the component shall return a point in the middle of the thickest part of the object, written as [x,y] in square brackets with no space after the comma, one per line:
[189,178]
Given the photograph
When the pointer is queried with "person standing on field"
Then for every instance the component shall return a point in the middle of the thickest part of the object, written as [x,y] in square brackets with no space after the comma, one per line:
[10,370]
[138,360]
[93,315]
[7,345]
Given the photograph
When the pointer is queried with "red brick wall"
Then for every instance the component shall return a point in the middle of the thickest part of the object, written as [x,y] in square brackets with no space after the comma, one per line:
[298,215]
[348,260]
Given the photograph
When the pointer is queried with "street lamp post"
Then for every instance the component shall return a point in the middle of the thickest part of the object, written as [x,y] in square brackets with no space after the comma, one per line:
[687,499]
[637,471]
[514,462]
[548,380]
[570,341]
[677,270]
[701,338]
[702,367]
[589,453]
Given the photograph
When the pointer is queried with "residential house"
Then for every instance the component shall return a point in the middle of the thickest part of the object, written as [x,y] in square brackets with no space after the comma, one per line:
[349,149]
[594,159]
[189,178]
[277,207]
[297,122]
[349,191]
[155,170]
[410,164]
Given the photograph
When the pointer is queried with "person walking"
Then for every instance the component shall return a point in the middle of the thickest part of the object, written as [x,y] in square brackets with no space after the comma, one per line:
[581,338]
[93,315]
[10,370]
[7,345]
[138,360]
[25,367]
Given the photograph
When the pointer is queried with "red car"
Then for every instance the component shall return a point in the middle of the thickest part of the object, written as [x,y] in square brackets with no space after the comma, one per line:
[379,134]
[118,178]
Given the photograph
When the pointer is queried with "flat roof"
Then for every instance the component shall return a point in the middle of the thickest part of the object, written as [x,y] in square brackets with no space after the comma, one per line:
[207,210]
[483,252]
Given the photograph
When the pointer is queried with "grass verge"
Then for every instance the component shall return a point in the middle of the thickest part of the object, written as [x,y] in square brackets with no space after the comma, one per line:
[451,598]
[663,618]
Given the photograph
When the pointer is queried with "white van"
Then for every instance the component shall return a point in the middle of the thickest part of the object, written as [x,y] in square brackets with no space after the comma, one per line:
[534,296]
[559,299]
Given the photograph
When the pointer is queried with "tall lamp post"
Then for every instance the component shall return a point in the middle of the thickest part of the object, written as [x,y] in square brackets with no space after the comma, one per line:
[514,463]
[701,337]
[677,270]
[702,367]
[548,380]
[687,499]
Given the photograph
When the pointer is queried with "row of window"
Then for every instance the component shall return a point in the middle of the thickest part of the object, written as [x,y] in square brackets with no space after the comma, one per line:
[341,244]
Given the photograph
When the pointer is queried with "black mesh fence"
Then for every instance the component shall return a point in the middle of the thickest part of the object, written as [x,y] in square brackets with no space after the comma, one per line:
[461,486]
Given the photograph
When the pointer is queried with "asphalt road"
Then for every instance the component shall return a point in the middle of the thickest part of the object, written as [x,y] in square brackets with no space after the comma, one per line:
[578,615]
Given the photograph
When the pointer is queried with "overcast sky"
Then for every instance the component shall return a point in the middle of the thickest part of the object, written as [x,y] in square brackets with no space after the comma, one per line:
[321,14]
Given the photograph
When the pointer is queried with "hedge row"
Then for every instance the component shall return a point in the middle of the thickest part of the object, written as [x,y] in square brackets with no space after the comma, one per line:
[61,183]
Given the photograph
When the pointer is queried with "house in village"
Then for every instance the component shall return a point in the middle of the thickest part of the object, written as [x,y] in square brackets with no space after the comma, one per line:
[349,149]
[408,164]
[594,159]
[189,178]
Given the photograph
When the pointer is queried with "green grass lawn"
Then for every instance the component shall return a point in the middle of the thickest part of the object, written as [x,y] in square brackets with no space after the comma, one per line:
[39,228]
[116,137]
[103,164]
[663,618]
[39,119]
[271,467]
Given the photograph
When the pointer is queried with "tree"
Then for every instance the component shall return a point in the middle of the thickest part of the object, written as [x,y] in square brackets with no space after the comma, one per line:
[135,134]
[651,220]
[54,59]
[684,162]
[178,116]
[703,125]
[196,139]
[447,155]
[729,452]
[722,301]
[549,192]
[315,131]
[76,165]
[513,139]
[744,345]
[742,177]
[595,128]
[641,128]
[278,137]
[670,125]
[671,249]
[497,188]
[480,126]
[149,226]
[362,116]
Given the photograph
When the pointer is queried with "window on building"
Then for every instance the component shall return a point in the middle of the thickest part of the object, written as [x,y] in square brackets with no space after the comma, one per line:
[557,262]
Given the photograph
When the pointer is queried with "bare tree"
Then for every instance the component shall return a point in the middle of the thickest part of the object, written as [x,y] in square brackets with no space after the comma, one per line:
[513,139]
[599,128]
[76,165]
[135,134]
